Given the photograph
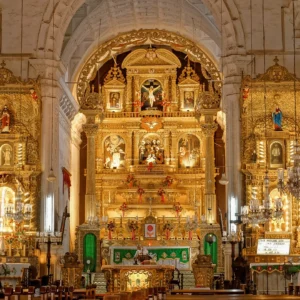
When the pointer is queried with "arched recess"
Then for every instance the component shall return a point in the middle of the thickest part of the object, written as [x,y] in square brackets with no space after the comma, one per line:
[211,247]
[123,42]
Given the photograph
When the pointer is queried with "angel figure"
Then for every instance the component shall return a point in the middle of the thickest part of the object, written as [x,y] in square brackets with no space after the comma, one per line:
[151,90]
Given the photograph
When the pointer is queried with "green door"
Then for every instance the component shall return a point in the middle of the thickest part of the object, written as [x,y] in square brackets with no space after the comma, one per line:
[89,252]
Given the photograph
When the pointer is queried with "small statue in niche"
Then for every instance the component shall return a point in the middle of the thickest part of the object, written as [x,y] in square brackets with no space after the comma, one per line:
[7,157]
[253,157]
[5,120]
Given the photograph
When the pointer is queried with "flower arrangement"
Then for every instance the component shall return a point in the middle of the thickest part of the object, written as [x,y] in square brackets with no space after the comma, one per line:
[166,103]
[189,226]
[123,208]
[168,181]
[161,192]
[5,270]
[110,227]
[133,226]
[168,227]
[178,208]
[130,180]
[140,192]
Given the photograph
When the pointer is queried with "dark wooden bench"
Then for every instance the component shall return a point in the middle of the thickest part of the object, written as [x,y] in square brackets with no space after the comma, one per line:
[207,292]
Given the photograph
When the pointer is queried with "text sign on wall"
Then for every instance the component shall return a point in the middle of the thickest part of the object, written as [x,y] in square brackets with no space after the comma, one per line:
[273,247]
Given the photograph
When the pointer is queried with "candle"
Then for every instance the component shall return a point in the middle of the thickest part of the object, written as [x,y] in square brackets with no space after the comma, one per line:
[108,196]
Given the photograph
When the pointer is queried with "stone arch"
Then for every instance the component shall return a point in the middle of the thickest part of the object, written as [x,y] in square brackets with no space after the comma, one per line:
[61,15]
[124,41]
[64,11]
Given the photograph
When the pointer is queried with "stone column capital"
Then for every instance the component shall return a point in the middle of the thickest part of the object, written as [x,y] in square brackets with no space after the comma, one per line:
[209,129]
[90,129]
[46,67]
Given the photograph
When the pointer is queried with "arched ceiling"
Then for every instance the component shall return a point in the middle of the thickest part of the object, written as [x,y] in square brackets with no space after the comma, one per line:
[97,21]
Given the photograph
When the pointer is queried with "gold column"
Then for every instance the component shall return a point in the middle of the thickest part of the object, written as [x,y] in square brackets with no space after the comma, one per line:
[130,94]
[90,194]
[208,128]
[136,148]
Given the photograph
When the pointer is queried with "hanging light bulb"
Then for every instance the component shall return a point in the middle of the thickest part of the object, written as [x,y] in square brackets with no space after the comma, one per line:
[223,180]
[51,177]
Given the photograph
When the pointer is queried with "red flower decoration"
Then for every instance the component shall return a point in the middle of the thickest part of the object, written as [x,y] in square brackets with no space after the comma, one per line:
[140,191]
[161,193]
[123,208]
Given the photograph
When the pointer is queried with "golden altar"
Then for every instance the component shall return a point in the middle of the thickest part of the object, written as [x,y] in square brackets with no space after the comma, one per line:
[129,278]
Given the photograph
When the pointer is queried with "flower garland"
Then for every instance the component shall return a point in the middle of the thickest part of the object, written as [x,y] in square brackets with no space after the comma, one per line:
[161,192]
[123,208]
[168,181]
[178,208]
[150,166]
[140,192]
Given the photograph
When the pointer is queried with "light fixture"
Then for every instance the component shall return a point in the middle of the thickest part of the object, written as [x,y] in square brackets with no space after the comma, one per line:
[223,180]
[51,177]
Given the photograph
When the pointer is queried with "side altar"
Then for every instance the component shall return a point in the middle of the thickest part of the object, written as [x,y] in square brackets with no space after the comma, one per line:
[129,278]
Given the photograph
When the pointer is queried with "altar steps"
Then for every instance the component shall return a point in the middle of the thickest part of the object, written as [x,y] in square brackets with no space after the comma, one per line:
[100,282]
[188,279]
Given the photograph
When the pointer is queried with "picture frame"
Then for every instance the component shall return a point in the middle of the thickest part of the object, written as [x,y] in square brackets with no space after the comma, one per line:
[276,153]
[150,228]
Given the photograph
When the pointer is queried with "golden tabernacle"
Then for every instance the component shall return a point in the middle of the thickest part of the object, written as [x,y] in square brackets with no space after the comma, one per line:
[130,278]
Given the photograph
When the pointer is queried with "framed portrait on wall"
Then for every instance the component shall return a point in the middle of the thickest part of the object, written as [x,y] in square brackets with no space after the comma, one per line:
[276,154]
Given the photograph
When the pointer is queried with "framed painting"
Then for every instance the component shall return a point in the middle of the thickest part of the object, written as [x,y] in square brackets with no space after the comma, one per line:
[276,154]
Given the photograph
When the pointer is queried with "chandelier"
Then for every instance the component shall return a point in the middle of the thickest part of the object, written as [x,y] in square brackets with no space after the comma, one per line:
[255,213]
[18,212]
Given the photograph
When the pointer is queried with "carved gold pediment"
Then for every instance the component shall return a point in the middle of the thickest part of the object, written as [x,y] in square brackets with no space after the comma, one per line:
[276,73]
[151,57]
[7,76]
[114,76]
[188,75]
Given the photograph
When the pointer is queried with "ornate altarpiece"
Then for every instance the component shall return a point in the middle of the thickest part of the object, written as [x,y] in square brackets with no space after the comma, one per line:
[133,162]
[266,147]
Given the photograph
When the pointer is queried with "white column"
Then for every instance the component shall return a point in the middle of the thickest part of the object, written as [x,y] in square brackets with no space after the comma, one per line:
[49,72]
[234,65]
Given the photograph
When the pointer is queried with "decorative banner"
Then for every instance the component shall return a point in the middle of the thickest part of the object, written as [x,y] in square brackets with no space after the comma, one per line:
[150,231]
[66,180]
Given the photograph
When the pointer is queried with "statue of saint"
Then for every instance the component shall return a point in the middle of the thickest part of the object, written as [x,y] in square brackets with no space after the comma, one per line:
[277,116]
[5,120]
[7,157]
[253,157]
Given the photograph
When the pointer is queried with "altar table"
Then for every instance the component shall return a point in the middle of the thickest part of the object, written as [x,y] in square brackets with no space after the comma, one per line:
[130,278]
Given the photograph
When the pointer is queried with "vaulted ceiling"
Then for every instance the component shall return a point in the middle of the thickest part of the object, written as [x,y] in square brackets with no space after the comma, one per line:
[97,21]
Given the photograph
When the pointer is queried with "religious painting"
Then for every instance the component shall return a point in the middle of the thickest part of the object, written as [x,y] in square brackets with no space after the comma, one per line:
[114,100]
[189,152]
[114,152]
[151,95]
[189,101]
[151,151]
[6,158]
[150,228]
[276,154]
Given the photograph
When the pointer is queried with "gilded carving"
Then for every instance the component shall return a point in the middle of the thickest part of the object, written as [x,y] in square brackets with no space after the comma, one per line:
[139,37]
[209,128]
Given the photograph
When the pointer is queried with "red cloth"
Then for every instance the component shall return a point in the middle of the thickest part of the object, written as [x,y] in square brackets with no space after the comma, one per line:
[66,180]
